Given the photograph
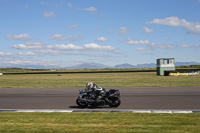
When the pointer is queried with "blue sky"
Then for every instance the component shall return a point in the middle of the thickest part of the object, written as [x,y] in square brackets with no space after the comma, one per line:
[110,32]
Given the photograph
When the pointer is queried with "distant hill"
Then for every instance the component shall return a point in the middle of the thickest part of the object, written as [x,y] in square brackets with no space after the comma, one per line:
[88,66]
[150,65]
[123,66]
[126,65]
[100,66]
[186,63]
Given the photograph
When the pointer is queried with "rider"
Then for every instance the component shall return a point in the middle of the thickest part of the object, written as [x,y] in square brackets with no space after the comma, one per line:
[99,92]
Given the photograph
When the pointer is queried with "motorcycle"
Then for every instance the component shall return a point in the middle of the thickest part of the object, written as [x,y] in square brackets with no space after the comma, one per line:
[85,99]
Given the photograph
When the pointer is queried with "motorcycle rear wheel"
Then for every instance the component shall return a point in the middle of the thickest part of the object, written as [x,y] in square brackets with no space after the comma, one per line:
[81,103]
[114,102]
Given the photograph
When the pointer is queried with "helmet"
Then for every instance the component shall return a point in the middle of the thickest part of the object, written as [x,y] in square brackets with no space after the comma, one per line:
[89,85]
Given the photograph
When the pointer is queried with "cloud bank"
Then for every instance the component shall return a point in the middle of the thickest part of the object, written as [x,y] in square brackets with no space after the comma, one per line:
[192,27]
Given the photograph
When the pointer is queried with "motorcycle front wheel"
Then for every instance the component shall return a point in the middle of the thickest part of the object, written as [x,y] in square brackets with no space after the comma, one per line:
[81,103]
[114,102]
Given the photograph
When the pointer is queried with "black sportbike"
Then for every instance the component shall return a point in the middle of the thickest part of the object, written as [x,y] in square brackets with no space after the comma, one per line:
[86,99]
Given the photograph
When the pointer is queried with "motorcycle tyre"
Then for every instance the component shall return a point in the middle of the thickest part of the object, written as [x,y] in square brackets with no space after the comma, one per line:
[81,104]
[115,102]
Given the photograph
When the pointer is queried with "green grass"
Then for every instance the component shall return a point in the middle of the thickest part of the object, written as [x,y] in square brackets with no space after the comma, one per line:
[20,70]
[131,79]
[99,122]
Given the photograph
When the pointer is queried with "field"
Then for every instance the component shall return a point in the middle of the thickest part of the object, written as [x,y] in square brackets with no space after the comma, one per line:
[99,122]
[130,79]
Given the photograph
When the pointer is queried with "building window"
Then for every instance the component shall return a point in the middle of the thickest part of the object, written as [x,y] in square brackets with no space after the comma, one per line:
[166,61]
[170,61]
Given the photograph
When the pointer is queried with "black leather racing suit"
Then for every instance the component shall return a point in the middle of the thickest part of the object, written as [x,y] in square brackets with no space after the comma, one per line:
[99,92]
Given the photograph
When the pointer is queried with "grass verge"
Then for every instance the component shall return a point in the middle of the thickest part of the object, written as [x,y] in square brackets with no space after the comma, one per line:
[99,122]
[131,79]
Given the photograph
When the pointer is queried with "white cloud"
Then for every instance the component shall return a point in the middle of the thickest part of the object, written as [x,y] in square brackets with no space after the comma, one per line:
[170,21]
[102,39]
[69,5]
[74,37]
[125,40]
[166,46]
[72,26]
[167,38]
[43,3]
[24,37]
[197,46]
[94,46]
[19,62]
[23,46]
[136,42]
[90,9]
[2,54]
[101,15]
[147,30]
[60,37]
[193,28]
[26,6]
[29,45]
[65,47]
[123,30]
[186,46]
[90,46]
[5,1]
[110,31]
[26,54]
[35,44]
[150,45]
[143,49]
[49,51]
[49,14]
[31,62]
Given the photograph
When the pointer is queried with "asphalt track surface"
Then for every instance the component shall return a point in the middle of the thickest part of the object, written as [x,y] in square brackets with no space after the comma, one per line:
[184,98]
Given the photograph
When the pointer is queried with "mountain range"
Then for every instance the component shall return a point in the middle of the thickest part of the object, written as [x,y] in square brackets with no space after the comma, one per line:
[125,66]
[101,66]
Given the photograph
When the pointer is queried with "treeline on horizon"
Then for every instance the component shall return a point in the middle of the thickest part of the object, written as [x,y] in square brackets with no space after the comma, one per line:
[45,70]
[190,66]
